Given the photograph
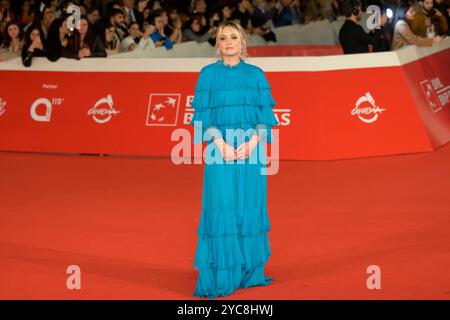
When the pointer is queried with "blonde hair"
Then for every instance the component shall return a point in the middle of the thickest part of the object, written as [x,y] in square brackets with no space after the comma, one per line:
[241,34]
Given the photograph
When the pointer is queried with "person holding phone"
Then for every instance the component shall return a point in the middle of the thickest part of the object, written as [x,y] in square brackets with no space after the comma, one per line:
[137,40]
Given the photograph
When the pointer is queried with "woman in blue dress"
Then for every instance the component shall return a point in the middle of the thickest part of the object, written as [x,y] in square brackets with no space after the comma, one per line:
[234,115]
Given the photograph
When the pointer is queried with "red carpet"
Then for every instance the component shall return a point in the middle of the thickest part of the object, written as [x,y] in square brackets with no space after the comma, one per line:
[130,223]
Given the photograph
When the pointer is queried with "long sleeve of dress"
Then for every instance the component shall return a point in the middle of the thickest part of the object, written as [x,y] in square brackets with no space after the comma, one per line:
[265,104]
[203,129]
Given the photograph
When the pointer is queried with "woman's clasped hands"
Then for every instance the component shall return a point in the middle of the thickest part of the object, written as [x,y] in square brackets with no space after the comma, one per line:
[242,152]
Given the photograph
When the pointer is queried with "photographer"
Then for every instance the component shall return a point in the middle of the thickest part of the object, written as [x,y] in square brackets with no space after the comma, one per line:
[352,36]
[428,22]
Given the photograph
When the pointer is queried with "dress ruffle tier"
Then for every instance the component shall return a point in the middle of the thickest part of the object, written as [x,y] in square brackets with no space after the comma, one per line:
[239,98]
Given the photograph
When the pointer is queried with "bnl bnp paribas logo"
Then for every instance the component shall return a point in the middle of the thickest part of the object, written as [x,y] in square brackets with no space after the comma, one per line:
[163,110]
[366,109]
[436,93]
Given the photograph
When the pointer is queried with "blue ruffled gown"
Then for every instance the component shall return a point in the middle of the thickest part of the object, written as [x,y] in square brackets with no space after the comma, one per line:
[233,244]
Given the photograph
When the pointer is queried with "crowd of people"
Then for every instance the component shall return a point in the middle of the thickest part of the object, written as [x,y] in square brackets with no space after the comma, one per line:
[422,23]
[44,28]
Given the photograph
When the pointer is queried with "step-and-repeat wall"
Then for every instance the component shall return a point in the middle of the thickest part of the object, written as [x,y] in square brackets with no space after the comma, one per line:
[329,107]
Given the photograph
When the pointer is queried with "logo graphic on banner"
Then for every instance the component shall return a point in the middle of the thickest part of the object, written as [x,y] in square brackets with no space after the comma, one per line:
[2,106]
[436,94]
[163,109]
[366,109]
[48,110]
[103,110]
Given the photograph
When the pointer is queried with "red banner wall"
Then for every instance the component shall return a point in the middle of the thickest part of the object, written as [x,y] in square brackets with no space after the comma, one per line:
[323,114]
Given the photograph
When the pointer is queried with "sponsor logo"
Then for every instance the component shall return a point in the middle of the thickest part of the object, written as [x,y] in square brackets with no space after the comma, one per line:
[48,105]
[366,109]
[163,109]
[103,110]
[436,94]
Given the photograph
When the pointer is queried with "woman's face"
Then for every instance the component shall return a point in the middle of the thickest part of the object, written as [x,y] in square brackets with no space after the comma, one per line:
[410,14]
[94,16]
[13,31]
[146,13]
[133,30]
[215,16]
[165,18]
[195,25]
[174,14]
[34,34]
[49,16]
[83,27]
[229,42]
[158,23]
[226,12]
[26,6]
[109,33]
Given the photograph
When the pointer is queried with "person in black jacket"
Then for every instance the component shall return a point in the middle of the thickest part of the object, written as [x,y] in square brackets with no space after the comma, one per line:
[352,36]
[90,42]
[33,46]
[57,39]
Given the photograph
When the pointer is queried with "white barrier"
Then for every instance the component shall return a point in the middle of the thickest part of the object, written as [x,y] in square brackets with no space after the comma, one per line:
[314,33]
